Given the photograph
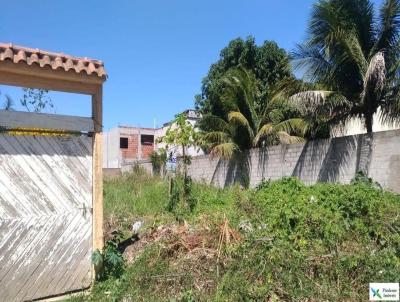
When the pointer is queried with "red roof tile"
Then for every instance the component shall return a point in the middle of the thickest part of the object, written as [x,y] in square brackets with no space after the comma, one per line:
[20,54]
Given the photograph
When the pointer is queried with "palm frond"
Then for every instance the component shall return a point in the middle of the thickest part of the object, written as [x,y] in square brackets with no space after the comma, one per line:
[285,138]
[240,94]
[294,126]
[359,16]
[287,87]
[212,122]
[375,77]
[264,132]
[389,26]
[225,150]
[328,17]
[239,118]
[215,137]
[312,61]
[321,102]
[310,100]
[354,51]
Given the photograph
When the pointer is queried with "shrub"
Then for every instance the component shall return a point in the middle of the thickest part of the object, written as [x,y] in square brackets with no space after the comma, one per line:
[181,201]
[320,243]
[109,263]
[158,161]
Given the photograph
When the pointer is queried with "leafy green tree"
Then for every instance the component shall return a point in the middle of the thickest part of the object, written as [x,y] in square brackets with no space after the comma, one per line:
[181,134]
[353,57]
[242,125]
[158,161]
[267,62]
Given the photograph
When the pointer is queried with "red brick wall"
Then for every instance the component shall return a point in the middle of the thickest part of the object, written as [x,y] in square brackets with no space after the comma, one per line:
[132,151]
[146,151]
[133,148]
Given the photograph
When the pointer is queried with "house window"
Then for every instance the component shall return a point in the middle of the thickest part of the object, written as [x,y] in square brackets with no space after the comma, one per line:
[123,143]
[147,140]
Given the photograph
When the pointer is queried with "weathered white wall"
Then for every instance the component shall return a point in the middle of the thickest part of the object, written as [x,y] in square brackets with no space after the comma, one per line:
[334,160]
[111,151]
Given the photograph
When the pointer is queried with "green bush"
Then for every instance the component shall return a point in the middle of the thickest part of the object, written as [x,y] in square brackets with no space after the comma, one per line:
[109,263]
[322,243]
[181,201]
[158,161]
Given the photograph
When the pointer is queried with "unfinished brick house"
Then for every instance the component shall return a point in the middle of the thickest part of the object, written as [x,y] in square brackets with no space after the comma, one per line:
[126,144]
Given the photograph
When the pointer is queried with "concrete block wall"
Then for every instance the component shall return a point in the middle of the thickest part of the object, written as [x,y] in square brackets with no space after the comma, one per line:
[325,160]
[146,164]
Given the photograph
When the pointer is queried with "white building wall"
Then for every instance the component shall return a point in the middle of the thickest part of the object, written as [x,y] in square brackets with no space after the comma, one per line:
[111,152]
[176,150]
[356,126]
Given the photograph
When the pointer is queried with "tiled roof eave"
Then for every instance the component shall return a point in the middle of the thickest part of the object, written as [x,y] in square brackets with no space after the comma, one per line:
[56,61]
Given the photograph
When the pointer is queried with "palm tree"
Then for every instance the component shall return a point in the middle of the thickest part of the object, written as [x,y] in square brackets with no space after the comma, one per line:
[352,56]
[242,126]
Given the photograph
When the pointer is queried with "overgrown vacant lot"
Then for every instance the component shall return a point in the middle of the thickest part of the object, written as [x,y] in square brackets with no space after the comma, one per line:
[283,241]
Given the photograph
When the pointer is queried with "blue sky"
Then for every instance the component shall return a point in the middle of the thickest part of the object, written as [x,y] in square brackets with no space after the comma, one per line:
[156,52]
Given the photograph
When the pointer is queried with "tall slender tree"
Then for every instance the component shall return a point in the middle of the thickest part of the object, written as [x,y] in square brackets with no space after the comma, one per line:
[181,134]
[352,56]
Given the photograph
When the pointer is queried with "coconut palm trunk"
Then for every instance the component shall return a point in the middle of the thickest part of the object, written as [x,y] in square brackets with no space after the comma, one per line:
[369,122]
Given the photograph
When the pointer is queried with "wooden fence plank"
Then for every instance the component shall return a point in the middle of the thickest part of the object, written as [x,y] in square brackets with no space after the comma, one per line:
[46,217]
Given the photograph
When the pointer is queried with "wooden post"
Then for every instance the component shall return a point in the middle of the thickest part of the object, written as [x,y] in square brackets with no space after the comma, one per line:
[97,114]
[170,186]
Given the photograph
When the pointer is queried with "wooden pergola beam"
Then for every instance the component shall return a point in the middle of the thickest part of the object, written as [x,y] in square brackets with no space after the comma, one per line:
[34,76]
